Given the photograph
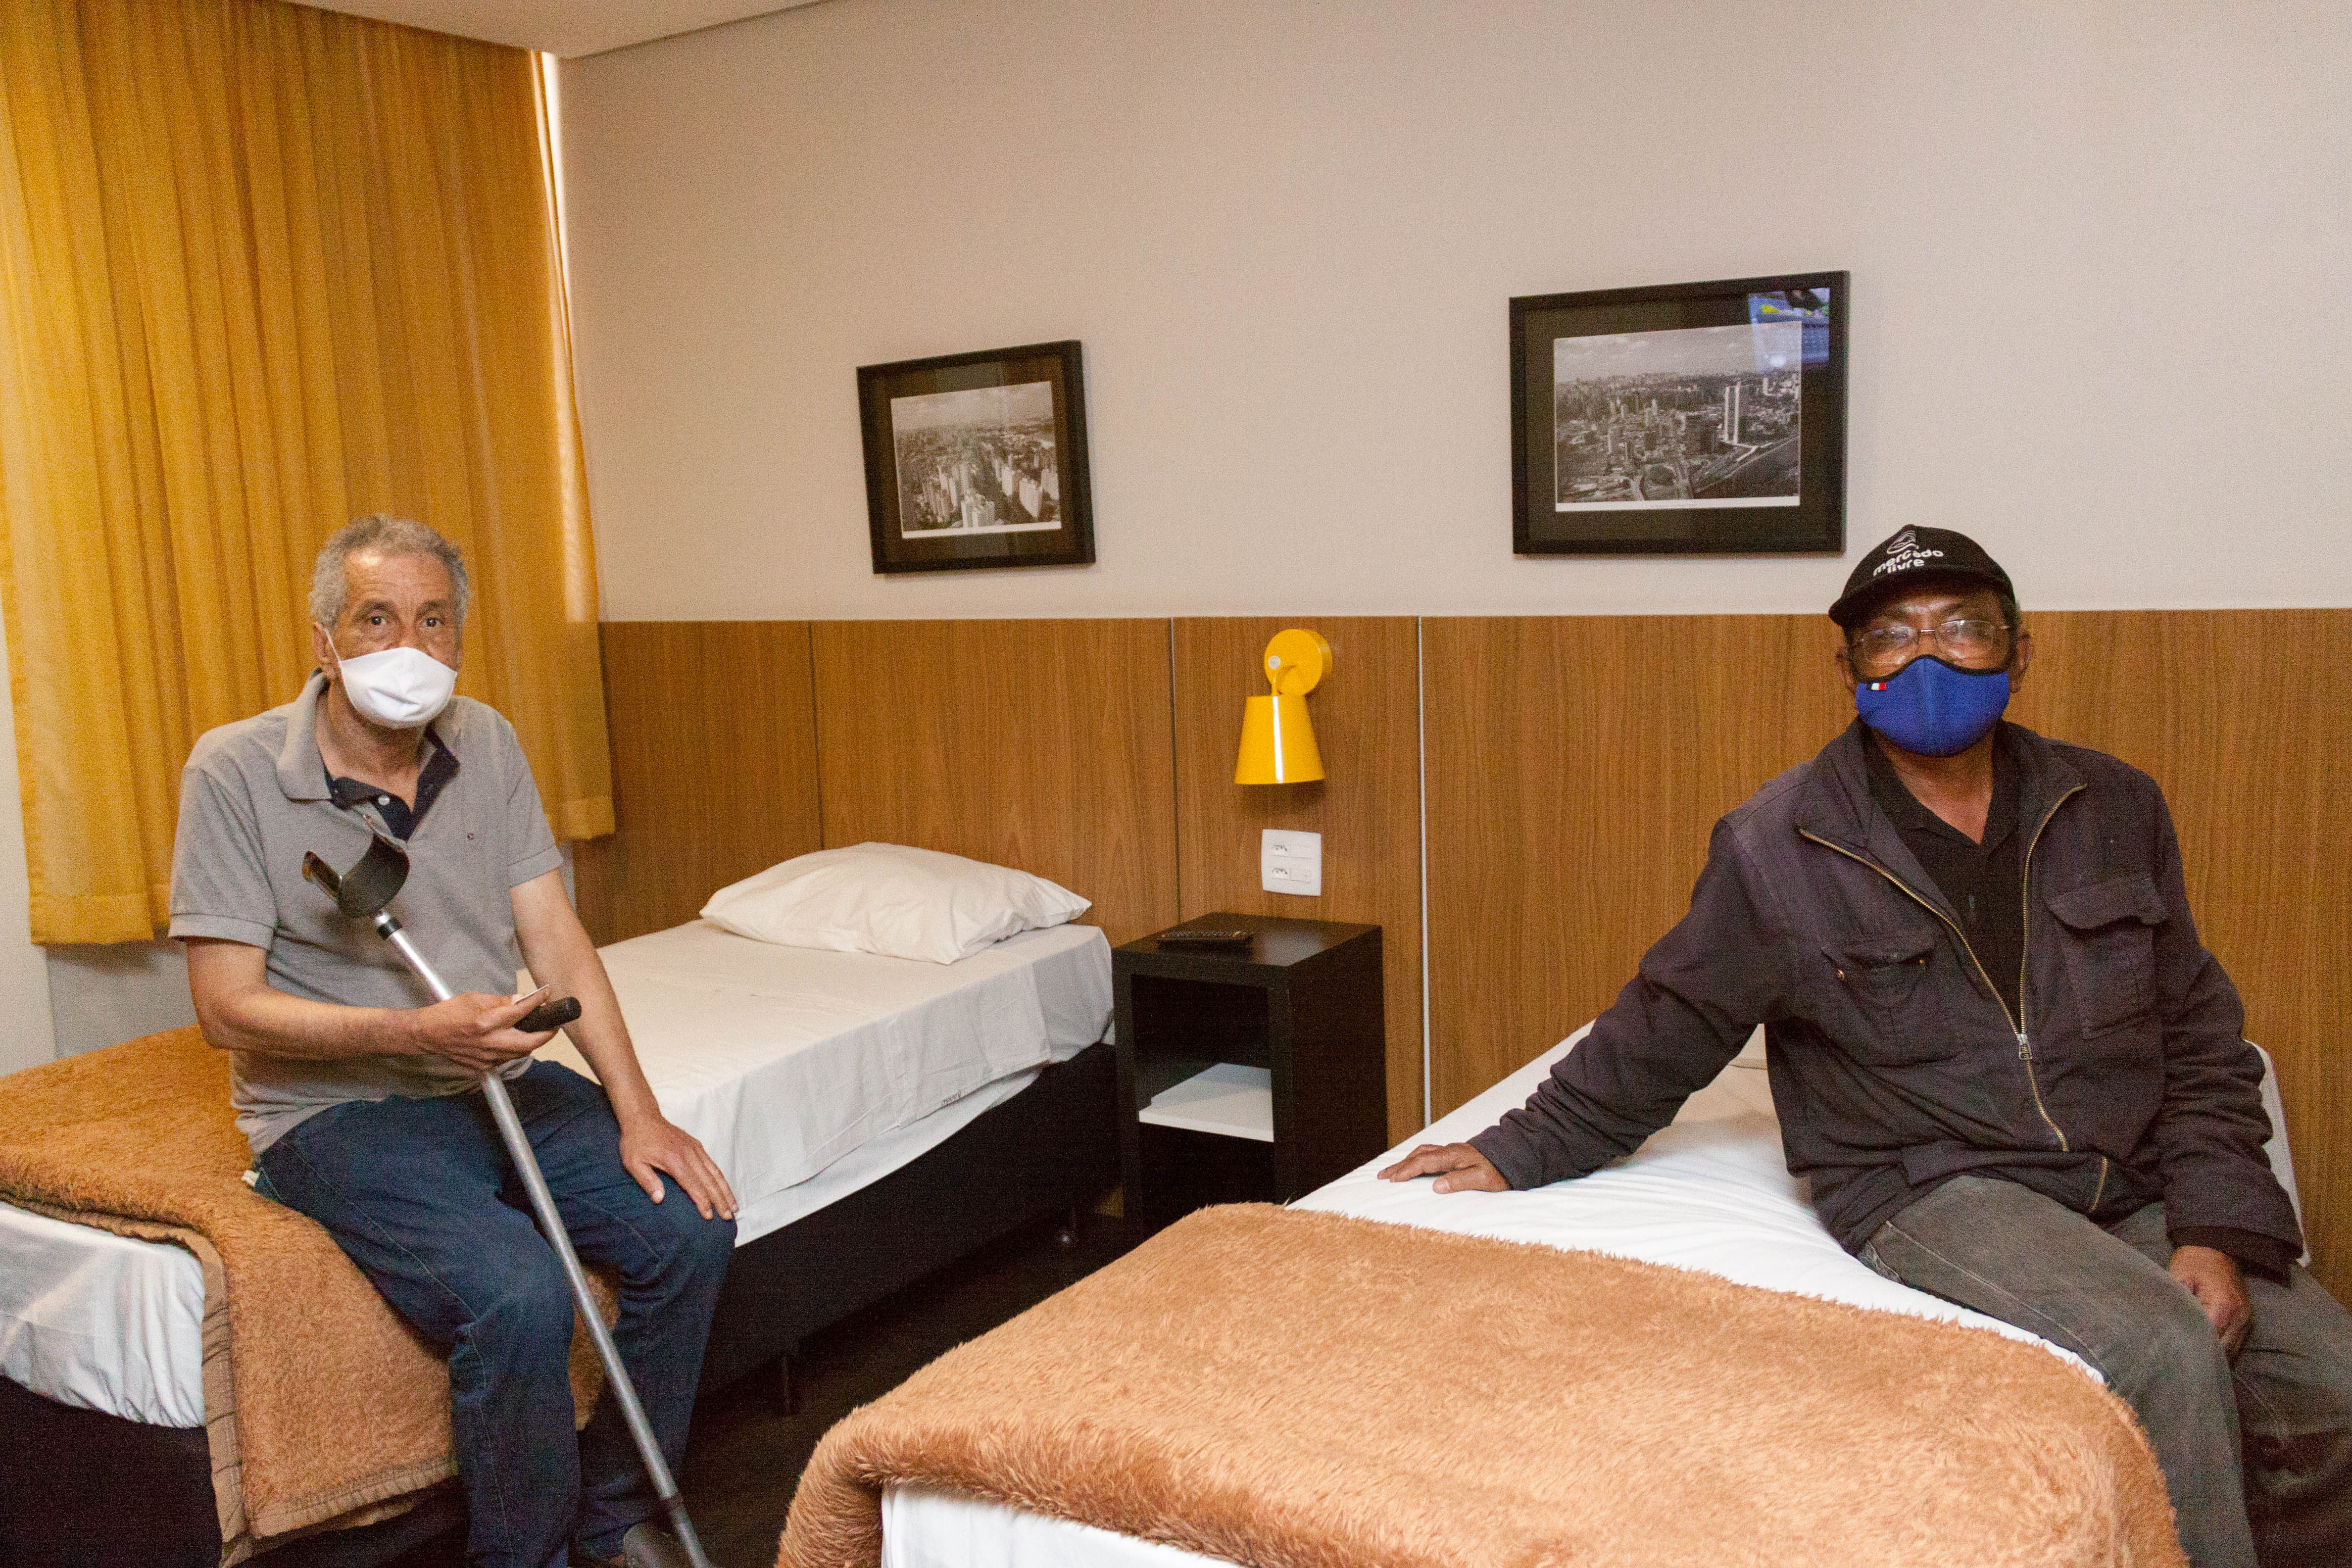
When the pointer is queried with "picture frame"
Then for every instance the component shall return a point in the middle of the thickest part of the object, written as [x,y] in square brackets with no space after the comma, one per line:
[978,460]
[1684,419]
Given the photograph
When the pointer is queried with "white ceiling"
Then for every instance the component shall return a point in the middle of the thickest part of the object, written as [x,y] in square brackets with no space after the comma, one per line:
[565,28]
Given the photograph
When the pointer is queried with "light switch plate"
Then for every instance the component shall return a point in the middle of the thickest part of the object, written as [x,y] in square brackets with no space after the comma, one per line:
[1290,862]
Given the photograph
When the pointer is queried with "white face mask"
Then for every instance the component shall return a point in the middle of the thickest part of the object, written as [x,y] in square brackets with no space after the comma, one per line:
[401,688]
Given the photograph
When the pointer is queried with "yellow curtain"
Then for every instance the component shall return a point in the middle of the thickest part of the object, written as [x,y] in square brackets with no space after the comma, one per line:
[264,268]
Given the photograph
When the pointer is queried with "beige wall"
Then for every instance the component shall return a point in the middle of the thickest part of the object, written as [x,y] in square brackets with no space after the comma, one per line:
[103,996]
[2101,302]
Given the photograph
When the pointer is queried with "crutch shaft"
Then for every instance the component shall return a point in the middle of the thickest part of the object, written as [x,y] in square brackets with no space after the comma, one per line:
[550,1223]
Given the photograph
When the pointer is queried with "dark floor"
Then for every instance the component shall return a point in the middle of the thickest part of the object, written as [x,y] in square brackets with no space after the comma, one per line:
[745,1456]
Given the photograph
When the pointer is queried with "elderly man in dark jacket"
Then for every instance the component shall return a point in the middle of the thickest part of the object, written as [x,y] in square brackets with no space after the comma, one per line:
[2013,1074]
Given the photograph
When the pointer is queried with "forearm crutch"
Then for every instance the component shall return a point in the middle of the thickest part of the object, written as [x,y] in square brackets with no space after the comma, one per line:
[362,893]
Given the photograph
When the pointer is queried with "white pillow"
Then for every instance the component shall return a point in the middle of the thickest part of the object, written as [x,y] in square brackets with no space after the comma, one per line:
[890,900]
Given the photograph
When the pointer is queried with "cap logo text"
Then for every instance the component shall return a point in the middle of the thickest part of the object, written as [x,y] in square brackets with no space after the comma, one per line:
[1905,553]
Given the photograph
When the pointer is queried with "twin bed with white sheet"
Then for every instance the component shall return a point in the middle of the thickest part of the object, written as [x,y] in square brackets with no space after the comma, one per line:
[875,1115]
[807,1074]
[1709,1193]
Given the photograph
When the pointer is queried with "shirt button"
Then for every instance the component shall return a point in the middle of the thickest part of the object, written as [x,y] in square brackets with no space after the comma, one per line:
[383,800]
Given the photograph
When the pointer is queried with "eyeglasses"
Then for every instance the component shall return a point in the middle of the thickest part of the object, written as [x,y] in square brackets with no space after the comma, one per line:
[1884,648]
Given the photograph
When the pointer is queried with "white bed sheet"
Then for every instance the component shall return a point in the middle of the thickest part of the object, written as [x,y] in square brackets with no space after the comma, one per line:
[782,1060]
[1711,1192]
[107,1323]
[101,1322]
[924,1527]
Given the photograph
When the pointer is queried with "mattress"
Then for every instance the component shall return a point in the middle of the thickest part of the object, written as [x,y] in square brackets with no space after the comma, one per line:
[923,1527]
[107,1323]
[101,1322]
[782,1060]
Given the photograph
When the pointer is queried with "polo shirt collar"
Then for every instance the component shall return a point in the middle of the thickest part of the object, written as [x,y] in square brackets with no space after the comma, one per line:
[299,776]
[301,766]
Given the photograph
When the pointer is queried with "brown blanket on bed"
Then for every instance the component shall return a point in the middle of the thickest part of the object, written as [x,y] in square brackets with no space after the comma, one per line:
[320,1406]
[1292,1389]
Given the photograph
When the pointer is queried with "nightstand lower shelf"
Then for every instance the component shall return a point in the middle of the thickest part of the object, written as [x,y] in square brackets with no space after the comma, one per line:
[1226,1099]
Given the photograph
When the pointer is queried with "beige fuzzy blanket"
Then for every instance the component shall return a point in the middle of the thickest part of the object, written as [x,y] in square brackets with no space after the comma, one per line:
[321,1408]
[1295,1390]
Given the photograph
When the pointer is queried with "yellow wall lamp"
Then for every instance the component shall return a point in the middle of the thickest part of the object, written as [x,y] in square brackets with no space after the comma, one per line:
[1277,742]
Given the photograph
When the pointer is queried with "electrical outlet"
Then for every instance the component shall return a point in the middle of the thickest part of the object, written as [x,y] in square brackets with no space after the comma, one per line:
[1291,862]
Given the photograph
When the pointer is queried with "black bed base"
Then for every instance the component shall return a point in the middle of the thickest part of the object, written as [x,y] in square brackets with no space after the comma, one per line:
[82,1490]
[1053,1145]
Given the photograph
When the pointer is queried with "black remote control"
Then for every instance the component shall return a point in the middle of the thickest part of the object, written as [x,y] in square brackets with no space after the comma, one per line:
[551,1013]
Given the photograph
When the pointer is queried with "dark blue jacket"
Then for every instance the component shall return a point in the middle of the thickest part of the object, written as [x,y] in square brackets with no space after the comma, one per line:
[1894,1064]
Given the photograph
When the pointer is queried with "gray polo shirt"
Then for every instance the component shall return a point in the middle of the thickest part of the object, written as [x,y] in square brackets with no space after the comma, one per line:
[254,796]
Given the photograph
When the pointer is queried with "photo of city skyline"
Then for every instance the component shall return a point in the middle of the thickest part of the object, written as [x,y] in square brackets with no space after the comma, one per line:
[1694,417]
[978,460]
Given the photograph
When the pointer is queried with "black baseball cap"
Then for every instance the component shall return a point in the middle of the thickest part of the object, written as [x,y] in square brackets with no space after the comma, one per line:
[1916,554]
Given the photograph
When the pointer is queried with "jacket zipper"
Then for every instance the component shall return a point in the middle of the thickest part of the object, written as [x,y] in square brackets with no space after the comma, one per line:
[2024,1043]
[2024,947]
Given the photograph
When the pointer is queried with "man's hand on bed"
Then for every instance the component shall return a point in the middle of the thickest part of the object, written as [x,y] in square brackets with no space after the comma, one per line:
[653,1145]
[1458,1168]
[2211,1275]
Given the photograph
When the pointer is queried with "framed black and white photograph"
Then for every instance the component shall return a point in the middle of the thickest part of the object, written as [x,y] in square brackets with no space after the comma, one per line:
[977,460]
[1691,418]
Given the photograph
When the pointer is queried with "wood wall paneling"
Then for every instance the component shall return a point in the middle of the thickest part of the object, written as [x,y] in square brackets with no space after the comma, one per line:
[714,767]
[1576,764]
[1367,807]
[1041,744]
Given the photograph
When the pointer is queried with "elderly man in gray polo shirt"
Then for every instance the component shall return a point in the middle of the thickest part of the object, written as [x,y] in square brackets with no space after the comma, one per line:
[359,1094]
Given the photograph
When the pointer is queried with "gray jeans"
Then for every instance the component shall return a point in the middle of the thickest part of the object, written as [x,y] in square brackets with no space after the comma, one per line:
[2257,1453]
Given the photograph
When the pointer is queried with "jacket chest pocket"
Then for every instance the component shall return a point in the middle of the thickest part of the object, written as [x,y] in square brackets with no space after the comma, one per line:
[1889,977]
[2110,944]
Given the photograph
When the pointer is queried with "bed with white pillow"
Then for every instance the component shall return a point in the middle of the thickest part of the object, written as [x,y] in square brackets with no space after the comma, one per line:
[891,1053]
[787,1061]
[1711,1192]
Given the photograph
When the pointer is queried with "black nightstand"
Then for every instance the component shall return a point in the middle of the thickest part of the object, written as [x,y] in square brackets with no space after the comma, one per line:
[1250,1073]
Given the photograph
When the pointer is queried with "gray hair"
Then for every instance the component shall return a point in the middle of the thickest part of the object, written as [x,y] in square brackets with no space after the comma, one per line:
[389,536]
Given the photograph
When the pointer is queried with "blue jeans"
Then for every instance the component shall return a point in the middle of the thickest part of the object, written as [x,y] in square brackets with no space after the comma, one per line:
[2256,1450]
[421,1196]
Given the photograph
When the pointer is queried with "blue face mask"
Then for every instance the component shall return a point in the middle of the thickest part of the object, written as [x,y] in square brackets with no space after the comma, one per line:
[1932,709]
